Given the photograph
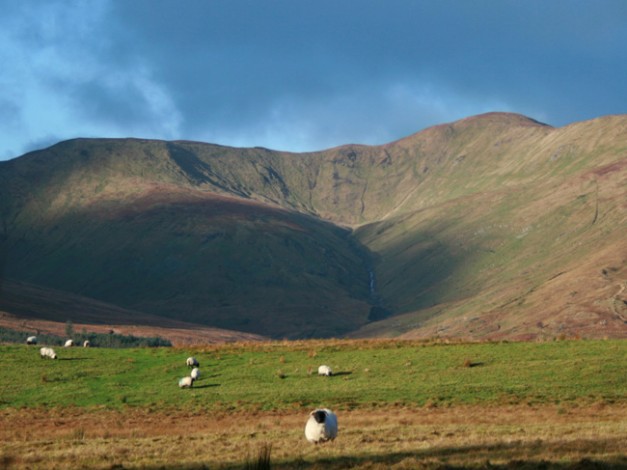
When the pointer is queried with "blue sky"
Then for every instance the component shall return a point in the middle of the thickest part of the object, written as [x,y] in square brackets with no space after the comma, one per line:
[299,75]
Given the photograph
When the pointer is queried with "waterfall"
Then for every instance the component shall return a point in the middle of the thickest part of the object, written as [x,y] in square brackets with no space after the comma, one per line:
[371,284]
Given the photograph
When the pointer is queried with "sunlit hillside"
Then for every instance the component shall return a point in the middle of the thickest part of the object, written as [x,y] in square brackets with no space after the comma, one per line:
[493,226]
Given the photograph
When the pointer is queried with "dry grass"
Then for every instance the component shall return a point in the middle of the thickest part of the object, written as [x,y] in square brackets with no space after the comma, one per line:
[473,436]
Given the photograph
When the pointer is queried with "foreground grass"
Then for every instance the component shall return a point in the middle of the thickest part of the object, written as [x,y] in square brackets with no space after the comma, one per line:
[471,436]
[400,405]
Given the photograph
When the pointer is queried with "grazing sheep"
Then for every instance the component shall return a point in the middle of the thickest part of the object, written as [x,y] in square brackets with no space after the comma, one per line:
[47,352]
[31,340]
[192,362]
[86,343]
[321,426]
[325,370]
[186,382]
[195,373]
[69,343]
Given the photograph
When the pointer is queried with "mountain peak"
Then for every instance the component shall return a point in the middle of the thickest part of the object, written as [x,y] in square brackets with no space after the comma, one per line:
[499,117]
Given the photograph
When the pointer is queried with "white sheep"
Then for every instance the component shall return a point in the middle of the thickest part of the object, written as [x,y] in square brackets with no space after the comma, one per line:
[192,362]
[186,382]
[86,343]
[325,370]
[69,343]
[195,373]
[31,340]
[321,426]
[47,352]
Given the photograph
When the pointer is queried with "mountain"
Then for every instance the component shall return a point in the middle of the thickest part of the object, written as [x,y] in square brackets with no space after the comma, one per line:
[495,226]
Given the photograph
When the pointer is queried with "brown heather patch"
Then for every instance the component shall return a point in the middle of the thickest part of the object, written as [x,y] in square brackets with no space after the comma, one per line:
[386,437]
[177,332]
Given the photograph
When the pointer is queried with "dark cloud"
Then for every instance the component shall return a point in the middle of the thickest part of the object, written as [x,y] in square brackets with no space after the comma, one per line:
[308,75]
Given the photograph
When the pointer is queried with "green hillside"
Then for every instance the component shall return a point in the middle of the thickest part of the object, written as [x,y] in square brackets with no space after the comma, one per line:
[492,226]
[168,251]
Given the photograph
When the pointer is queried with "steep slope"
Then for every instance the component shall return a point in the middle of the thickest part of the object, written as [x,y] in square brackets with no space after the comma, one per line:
[492,226]
[120,222]
[542,254]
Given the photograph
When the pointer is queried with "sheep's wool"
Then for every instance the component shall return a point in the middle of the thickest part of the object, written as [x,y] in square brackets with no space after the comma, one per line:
[192,362]
[47,352]
[186,382]
[321,426]
[325,370]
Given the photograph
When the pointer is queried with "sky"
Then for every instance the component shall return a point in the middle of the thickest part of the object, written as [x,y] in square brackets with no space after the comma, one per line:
[299,75]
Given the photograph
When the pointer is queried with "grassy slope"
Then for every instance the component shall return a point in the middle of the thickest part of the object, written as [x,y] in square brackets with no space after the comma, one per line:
[38,310]
[126,227]
[490,260]
[471,219]
[276,376]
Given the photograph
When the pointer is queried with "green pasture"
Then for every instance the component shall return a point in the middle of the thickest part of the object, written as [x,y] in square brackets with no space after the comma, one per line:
[283,375]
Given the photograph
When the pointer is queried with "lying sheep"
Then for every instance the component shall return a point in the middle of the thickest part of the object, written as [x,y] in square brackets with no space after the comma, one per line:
[31,340]
[186,382]
[86,343]
[192,362]
[47,352]
[325,370]
[195,373]
[321,426]
[69,343]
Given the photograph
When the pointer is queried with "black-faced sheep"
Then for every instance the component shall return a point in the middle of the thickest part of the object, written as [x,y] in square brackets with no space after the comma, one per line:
[192,362]
[47,352]
[69,343]
[195,374]
[31,340]
[321,426]
[186,382]
[86,343]
[325,370]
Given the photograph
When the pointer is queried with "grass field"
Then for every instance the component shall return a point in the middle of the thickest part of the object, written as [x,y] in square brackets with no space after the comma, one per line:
[558,404]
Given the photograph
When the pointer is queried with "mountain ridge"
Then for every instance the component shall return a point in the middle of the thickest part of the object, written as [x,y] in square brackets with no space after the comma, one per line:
[415,217]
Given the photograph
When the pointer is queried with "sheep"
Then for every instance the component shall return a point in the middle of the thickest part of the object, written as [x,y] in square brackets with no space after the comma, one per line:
[47,352]
[86,343]
[69,343]
[192,362]
[195,373]
[31,340]
[321,426]
[186,382]
[325,370]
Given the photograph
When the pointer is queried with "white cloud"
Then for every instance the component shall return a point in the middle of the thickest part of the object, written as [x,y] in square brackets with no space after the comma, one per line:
[375,113]
[58,67]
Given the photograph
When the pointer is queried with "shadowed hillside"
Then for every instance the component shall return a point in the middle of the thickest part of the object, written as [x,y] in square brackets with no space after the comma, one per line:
[492,226]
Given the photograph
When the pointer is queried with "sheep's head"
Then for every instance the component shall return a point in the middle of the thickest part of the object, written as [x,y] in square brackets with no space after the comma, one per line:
[319,415]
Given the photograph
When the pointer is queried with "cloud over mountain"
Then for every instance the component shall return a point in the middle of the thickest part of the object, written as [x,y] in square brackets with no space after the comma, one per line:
[298,76]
